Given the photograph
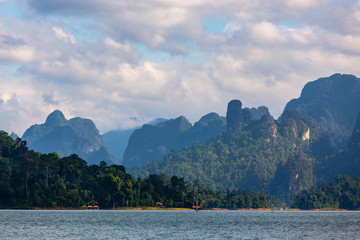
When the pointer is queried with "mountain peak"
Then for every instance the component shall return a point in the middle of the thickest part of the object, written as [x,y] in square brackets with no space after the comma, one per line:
[180,124]
[234,114]
[56,118]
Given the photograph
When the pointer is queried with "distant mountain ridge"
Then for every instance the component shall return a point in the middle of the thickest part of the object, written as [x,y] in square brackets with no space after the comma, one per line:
[77,135]
[154,142]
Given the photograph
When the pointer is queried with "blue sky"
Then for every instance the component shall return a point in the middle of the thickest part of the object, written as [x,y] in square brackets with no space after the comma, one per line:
[115,61]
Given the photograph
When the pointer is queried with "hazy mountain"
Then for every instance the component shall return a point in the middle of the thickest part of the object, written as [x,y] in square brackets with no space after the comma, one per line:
[14,135]
[77,135]
[154,142]
[334,103]
[117,140]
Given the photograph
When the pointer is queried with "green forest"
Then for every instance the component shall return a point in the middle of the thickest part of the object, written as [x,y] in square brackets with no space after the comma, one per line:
[30,179]
[343,193]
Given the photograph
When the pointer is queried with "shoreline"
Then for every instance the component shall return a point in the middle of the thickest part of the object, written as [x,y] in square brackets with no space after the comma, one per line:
[173,209]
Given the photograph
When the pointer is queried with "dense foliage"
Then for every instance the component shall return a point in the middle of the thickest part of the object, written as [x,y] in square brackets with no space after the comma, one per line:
[344,193]
[31,179]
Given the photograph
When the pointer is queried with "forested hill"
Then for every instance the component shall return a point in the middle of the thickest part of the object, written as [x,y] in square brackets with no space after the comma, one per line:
[263,155]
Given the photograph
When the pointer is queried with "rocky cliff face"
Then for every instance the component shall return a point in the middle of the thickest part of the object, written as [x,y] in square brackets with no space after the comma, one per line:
[78,135]
[334,103]
[346,161]
[354,142]
[294,125]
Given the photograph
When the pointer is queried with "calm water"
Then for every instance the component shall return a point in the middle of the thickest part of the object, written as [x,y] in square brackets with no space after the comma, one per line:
[26,224]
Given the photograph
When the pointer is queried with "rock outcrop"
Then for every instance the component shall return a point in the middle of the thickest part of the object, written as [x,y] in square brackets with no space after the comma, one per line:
[234,114]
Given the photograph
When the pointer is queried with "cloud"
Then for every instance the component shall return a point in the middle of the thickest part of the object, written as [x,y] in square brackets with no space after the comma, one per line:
[13,49]
[17,54]
[266,32]
[303,4]
[112,43]
[66,37]
[155,58]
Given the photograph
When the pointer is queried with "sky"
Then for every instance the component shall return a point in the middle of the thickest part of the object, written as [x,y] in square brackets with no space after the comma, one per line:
[122,63]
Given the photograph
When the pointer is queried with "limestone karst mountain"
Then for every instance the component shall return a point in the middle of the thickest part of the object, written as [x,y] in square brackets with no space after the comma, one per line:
[252,154]
[77,135]
[334,103]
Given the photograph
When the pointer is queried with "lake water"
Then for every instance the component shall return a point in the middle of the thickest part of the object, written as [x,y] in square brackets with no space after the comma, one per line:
[102,224]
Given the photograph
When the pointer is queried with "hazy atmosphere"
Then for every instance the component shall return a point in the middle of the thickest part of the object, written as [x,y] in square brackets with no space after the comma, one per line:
[122,63]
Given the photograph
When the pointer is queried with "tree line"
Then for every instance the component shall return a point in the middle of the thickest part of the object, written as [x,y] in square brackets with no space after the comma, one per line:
[343,193]
[31,179]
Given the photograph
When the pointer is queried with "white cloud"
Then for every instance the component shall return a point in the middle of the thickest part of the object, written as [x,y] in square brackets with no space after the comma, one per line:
[303,4]
[112,43]
[266,32]
[16,54]
[66,37]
